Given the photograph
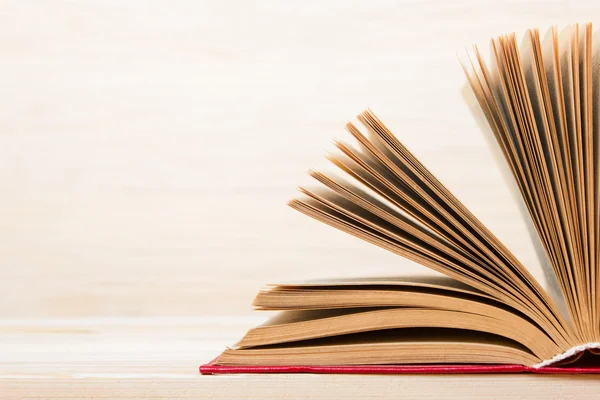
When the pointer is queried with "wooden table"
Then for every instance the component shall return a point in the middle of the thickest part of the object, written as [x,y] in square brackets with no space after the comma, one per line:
[127,358]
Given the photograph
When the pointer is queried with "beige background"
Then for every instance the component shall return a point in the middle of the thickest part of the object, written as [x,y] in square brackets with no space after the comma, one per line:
[147,149]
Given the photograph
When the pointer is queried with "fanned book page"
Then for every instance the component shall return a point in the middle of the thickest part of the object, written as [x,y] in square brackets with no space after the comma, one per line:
[541,98]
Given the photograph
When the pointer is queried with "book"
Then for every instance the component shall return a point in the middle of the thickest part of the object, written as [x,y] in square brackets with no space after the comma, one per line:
[488,313]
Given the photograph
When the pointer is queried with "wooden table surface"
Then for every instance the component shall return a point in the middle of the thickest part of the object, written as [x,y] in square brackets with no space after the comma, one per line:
[124,358]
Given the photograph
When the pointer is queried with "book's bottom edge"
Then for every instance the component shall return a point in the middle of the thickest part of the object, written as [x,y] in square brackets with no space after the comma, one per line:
[211,368]
[571,353]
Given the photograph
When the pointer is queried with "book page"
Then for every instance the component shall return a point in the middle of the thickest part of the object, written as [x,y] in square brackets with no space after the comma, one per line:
[439,282]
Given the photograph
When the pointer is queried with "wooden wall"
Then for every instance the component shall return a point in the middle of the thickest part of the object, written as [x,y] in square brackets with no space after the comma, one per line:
[148,148]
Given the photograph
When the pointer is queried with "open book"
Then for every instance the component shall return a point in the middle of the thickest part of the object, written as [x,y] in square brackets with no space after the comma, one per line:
[541,99]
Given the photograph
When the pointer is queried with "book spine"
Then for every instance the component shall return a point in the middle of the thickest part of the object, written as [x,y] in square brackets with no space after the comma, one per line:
[572,352]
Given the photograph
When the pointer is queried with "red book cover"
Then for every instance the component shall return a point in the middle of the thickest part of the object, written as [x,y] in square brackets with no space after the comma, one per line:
[211,368]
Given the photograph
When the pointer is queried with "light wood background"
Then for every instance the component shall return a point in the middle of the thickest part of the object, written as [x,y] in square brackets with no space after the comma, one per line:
[148,148]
